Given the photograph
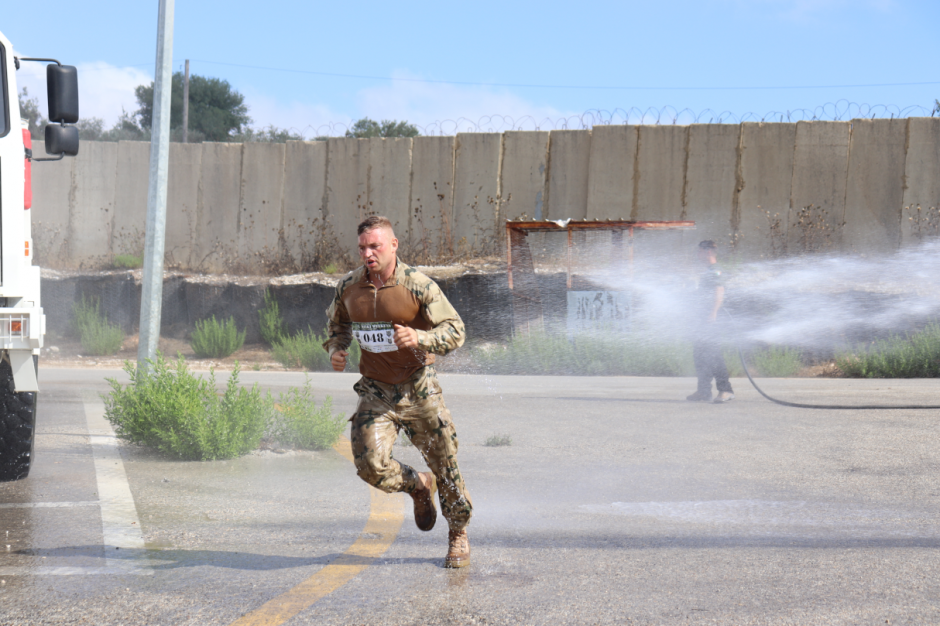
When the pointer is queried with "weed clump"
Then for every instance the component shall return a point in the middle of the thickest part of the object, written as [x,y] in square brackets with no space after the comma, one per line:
[99,337]
[914,355]
[778,361]
[216,340]
[305,350]
[300,423]
[273,328]
[174,411]
[128,262]
[586,355]
[498,441]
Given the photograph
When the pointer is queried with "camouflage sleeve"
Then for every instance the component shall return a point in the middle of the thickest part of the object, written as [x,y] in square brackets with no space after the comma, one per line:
[448,333]
[338,325]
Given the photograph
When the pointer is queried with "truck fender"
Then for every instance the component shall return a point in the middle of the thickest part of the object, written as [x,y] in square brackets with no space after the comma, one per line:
[24,370]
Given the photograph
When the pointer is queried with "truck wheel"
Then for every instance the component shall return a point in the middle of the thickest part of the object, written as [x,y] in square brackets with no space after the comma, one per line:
[17,426]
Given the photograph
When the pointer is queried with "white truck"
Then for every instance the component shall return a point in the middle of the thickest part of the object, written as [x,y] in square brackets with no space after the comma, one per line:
[22,323]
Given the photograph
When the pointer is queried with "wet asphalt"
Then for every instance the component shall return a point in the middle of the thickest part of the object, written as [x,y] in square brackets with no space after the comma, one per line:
[618,502]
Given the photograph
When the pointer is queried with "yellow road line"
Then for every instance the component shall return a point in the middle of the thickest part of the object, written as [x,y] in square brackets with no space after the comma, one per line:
[386,514]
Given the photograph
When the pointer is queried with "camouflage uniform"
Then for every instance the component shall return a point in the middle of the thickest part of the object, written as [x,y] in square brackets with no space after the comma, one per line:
[409,397]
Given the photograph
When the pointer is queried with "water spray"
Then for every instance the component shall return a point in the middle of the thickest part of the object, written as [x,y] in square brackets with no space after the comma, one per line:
[799,405]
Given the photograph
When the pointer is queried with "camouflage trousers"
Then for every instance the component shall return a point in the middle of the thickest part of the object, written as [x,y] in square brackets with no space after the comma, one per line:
[417,407]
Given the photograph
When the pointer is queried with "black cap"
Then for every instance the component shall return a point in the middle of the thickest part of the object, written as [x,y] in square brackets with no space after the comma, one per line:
[708,244]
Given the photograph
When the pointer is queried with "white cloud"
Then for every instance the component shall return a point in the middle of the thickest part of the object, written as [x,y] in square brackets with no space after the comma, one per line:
[103,89]
[309,120]
[438,107]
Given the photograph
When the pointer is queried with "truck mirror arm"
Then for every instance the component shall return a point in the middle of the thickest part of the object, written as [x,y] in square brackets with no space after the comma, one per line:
[18,59]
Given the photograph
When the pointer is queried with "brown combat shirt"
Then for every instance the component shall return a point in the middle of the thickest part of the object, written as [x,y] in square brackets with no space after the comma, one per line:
[409,298]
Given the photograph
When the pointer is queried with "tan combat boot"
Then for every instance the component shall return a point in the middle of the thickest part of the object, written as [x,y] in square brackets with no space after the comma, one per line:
[458,550]
[423,496]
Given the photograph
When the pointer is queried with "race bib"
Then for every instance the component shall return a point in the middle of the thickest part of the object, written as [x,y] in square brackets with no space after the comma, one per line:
[375,336]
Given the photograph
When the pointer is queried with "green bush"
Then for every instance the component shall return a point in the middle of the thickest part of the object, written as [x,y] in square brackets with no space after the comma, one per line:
[212,339]
[273,328]
[305,350]
[98,336]
[128,261]
[778,361]
[914,355]
[298,421]
[180,414]
[624,355]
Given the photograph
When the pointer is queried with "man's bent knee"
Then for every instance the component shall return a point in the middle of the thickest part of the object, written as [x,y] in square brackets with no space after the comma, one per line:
[390,478]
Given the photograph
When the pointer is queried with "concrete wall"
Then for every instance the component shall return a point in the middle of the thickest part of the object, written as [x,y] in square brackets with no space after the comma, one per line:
[431,217]
[612,173]
[286,207]
[764,186]
[476,162]
[921,172]
[662,154]
[569,162]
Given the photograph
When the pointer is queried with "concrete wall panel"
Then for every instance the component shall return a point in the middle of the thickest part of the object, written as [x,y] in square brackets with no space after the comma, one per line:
[820,165]
[52,194]
[347,192]
[611,172]
[661,172]
[389,181]
[304,197]
[921,172]
[475,189]
[431,227]
[260,204]
[216,241]
[522,174]
[130,197]
[875,187]
[569,160]
[710,180]
[92,210]
[181,204]
[766,172]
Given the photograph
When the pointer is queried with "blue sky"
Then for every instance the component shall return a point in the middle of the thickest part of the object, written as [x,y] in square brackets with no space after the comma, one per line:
[683,54]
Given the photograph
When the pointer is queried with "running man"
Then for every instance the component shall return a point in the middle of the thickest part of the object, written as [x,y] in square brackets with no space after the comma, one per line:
[401,319]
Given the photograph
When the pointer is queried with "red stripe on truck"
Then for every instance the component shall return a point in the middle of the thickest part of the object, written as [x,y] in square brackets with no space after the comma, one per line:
[28,192]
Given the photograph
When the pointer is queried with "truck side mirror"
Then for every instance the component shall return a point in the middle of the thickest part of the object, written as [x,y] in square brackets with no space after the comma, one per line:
[62,87]
[61,139]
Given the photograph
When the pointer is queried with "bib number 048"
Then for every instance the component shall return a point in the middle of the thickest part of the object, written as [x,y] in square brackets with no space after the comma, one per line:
[375,336]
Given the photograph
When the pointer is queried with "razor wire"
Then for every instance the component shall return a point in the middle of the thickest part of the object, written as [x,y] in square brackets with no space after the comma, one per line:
[841,110]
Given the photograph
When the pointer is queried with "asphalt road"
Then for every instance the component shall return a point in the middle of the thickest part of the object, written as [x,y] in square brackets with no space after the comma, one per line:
[617,503]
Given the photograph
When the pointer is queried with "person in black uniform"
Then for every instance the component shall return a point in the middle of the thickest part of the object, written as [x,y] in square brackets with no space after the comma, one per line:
[706,345]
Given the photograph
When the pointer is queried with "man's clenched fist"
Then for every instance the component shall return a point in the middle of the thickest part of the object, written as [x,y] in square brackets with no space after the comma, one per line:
[405,337]
[338,360]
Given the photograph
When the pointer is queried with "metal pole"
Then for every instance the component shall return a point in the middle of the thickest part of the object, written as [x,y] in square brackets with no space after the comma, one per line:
[186,104]
[151,297]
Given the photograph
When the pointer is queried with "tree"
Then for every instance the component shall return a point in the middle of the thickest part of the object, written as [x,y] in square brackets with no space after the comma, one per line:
[270,134]
[388,128]
[216,111]
[29,109]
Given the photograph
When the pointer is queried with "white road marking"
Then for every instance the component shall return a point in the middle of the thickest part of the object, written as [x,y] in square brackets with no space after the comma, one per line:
[119,522]
[45,505]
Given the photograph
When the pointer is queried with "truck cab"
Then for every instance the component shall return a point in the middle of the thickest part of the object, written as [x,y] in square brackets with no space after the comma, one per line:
[22,323]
